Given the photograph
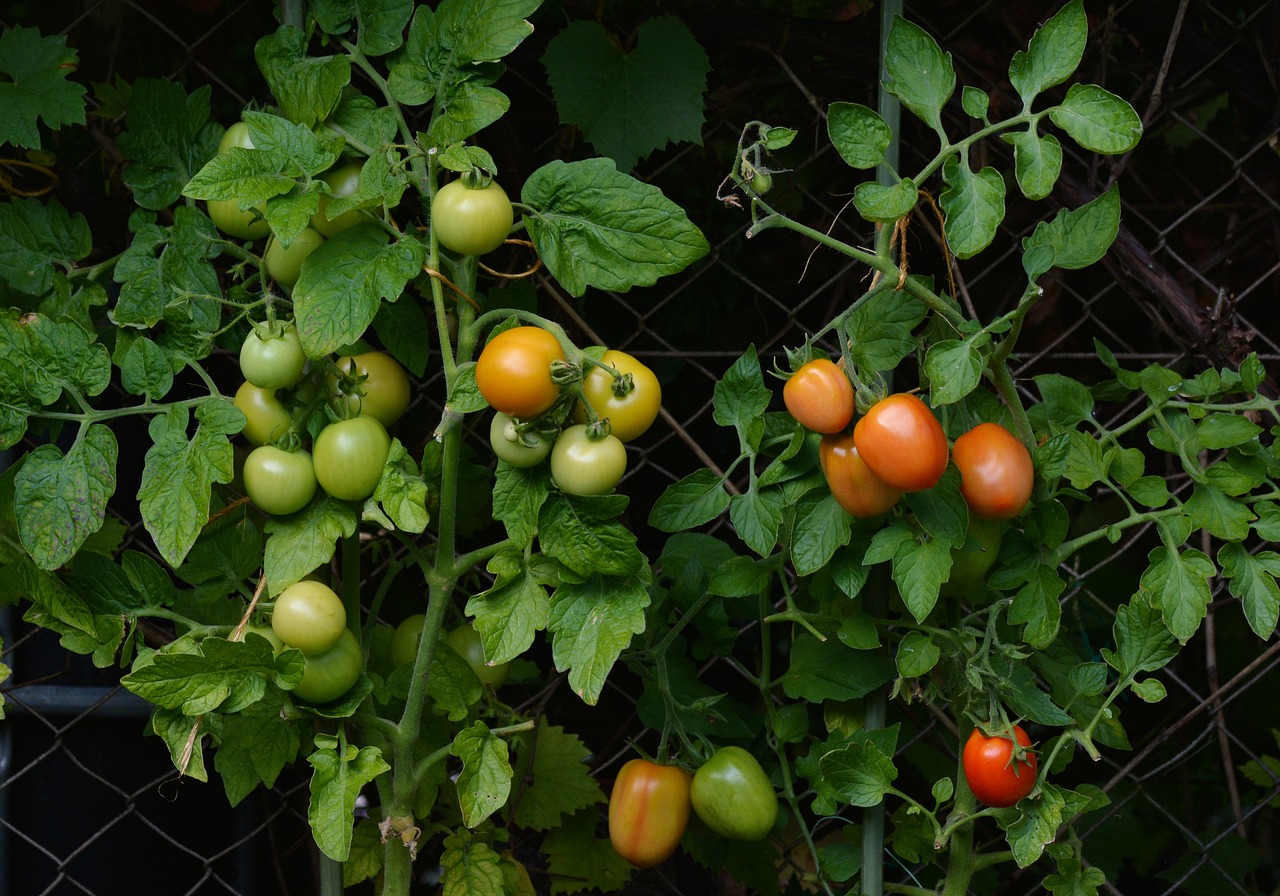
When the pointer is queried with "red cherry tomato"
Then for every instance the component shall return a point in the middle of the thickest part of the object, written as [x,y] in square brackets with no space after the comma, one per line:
[996,473]
[648,811]
[854,486]
[993,776]
[819,396]
[901,441]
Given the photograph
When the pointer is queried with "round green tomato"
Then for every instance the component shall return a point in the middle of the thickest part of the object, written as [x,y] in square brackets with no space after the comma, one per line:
[971,561]
[383,389]
[519,449]
[466,641]
[349,456]
[265,631]
[583,466]
[761,182]
[265,417]
[272,360]
[235,136]
[279,482]
[631,414]
[284,263]
[243,224]
[732,795]
[405,638]
[309,616]
[342,182]
[471,220]
[329,675]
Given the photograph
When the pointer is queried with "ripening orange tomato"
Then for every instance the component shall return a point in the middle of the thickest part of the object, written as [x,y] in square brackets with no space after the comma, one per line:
[901,441]
[996,472]
[854,486]
[819,396]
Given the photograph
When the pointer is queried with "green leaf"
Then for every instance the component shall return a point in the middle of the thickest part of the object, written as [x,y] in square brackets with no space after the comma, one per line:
[221,674]
[402,492]
[307,88]
[1037,162]
[336,781]
[516,607]
[580,533]
[167,140]
[470,866]
[1068,401]
[1052,55]
[954,368]
[696,499]
[1036,606]
[54,605]
[485,780]
[380,23]
[1085,464]
[178,473]
[166,274]
[35,86]
[344,281]
[558,782]
[757,518]
[1098,120]
[879,329]
[594,226]
[885,204]
[1252,578]
[146,370]
[919,566]
[740,397]
[975,102]
[579,860]
[36,238]
[592,622]
[859,134]
[304,541]
[917,655]
[485,32]
[918,72]
[1225,430]
[1037,825]
[973,205]
[186,751]
[1074,238]
[1218,514]
[859,773]
[828,670]
[256,747]
[518,496]
[629,103]
[821,527]
[61,500]
[1149,691]
[1178,583]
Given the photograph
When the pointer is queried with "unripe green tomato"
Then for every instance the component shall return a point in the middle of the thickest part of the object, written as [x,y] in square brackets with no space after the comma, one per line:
[309,616]
[405,638]
[508,445]
[471,220]
[761,182]
[342,182]
[284,264]
[272,360]
[329,675]
[971,562]
[246,224]
[235,136]
[732,795]
[466,641]
[265,417]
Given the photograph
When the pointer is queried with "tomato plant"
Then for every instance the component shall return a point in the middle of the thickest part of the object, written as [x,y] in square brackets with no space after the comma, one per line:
[279,482]
[471,220]
[308,615]
[518,447]
[581,465]
[331,673]
[732,795]
[375,386]
[284,263]
[630,401]
[648,811]
[994,775]
[820,396]
[272,357]
[265,417]
[996,472]
[513,372]
[902,443]
[349,456]
[854,486]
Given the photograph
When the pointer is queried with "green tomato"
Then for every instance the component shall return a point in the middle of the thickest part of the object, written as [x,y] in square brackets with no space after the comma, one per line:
[284,263]
[465,640]
[329,675]
[272,360]
[405,638]
[243,224]
[279,482]
[235,136]
[581,465]
[732,795]
[342,182]
[971,562]
[265,631]
[265,417]
[519,449]
[309,616]
[471,220]
[382,388]
[349,456]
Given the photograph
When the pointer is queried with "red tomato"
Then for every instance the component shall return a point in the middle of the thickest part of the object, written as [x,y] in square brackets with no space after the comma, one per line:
[993,776]
[819,396]
[648,811]
[854,486]
[901,441]
[996,473]
[513,372]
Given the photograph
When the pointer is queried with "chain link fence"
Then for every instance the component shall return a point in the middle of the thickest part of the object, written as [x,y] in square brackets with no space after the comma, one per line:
[87,806]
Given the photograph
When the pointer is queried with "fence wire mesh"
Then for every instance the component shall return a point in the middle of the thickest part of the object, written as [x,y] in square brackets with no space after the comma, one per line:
[88,807]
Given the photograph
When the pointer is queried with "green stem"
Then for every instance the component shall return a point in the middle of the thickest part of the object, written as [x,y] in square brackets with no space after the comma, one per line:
[959,838]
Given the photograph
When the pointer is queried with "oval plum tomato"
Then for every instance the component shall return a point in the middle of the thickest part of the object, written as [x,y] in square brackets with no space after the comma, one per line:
[993,776]
[630,415]
[901,441]
[243,224]
[466,641]
[852,483]
[343,182]
[471,220]
[279,482]
[272,360]
[733,796]
[284,263]
[330,674]
[971,562]
[581,465]
[820,396]
[648,811]
[405,638]
[513,372]
[349,456]
[383,389]
[519,449]
[996,472]
[309,616]
[265,417]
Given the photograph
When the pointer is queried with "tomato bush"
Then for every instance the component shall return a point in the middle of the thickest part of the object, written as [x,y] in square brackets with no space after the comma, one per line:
[732,795]
[993,774]
[513,372]
[581,465]
[471,220]
[820,396]
[349,456]
[629,414]
[996,472]
[309,616]
[648,811]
